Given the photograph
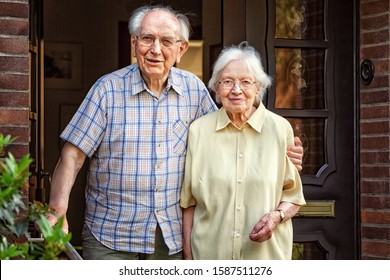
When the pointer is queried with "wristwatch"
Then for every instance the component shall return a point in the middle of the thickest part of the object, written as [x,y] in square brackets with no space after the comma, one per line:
[281,215]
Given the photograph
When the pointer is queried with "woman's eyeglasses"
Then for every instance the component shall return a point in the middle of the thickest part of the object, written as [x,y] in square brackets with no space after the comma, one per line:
[228,84]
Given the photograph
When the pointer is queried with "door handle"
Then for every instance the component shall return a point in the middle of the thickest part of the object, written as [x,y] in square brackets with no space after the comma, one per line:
[41,174]
[367,71]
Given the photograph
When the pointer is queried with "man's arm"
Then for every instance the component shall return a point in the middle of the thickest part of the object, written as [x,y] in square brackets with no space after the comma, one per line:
[296,153]
[64,176]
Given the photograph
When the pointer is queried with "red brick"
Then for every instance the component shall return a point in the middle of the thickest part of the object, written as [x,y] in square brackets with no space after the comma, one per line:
[378,127]
[21,132]
[376,37]
[376,248]
[375,202]
[374,23]
[15,99]
[382,66]
[379,81]
[374,157]
[14,117]
[375,187]
[377,172]
[18,10]
[374,112]
[379,51]
[374,7]
[14,64]
[14,45]
[375,143]
[18,151]
[14,27]
[372,232]
[14,82]
[369,97]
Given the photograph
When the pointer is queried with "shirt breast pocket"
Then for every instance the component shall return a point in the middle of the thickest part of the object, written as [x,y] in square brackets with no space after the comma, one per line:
[180,130]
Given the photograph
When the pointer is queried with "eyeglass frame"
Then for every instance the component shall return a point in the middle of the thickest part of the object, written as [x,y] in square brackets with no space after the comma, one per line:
[141,37]
[233,84]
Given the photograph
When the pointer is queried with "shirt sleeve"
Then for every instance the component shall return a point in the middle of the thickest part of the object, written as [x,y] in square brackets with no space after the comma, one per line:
[86,128]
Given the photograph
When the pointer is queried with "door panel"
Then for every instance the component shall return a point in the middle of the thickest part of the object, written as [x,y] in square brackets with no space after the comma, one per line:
[308,47]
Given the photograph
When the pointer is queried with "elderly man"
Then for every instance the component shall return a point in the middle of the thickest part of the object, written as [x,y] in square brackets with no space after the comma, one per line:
[133,126]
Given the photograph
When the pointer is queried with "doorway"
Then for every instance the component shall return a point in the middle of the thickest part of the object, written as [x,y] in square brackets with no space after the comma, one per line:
[308,47]
[91,36]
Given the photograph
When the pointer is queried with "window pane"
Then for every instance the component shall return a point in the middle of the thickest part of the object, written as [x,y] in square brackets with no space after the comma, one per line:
[299,78]
[299,19]
[311,132]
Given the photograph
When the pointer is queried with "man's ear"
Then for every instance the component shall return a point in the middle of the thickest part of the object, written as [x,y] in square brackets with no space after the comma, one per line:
[132,41]
[183,48]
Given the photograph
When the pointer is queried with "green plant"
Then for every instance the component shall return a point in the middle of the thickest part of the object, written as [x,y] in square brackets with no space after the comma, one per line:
[16,214]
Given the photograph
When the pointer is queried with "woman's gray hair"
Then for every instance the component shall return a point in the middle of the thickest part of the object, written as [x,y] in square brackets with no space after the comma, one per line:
[250,57]
[138,14]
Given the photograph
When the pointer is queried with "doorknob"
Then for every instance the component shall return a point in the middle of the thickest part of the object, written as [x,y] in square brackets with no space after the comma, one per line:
[367,71]
[42,173]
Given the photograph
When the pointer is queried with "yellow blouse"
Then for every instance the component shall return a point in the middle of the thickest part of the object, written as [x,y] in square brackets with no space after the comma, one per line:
[234,176]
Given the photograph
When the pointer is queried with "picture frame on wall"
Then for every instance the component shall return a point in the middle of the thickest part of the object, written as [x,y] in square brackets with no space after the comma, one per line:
[63,65]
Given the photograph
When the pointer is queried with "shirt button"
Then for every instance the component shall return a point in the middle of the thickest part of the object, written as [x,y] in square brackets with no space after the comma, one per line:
[239,180]
[240,155]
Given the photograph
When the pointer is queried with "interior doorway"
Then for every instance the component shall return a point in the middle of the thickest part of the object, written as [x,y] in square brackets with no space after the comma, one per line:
[89,39]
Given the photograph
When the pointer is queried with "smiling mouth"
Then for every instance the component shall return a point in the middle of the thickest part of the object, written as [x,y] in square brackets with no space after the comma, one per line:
[236,100]
[152,60]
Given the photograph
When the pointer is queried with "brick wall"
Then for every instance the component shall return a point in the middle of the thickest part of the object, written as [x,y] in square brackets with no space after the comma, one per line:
[375,131]
[14,70]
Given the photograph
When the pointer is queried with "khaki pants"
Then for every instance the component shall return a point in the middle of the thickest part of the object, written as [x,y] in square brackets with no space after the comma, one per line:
[94,250]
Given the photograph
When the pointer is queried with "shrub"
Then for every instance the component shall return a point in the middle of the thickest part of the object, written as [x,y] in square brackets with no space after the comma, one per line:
[17,215]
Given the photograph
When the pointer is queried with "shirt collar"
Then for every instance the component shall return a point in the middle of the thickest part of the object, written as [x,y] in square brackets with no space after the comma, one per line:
[256,121]
[139,85]
[175,81]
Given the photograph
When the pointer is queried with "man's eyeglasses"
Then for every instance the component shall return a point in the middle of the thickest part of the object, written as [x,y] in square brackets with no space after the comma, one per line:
[228,84]
[148,41]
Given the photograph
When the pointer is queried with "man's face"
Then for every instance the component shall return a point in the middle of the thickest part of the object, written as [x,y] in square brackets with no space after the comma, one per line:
[156,59]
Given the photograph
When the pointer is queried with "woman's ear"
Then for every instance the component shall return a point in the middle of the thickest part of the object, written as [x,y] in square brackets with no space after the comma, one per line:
[182,49]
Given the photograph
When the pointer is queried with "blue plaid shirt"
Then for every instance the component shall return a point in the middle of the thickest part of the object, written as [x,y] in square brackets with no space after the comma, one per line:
[137,146]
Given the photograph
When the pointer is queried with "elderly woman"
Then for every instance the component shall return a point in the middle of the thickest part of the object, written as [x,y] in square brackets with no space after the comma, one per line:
[240,189]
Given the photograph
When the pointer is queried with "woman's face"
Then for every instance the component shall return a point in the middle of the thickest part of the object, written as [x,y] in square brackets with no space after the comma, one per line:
[237,88]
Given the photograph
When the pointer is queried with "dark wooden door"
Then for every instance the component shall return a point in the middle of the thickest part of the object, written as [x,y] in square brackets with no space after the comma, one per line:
[309,48]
